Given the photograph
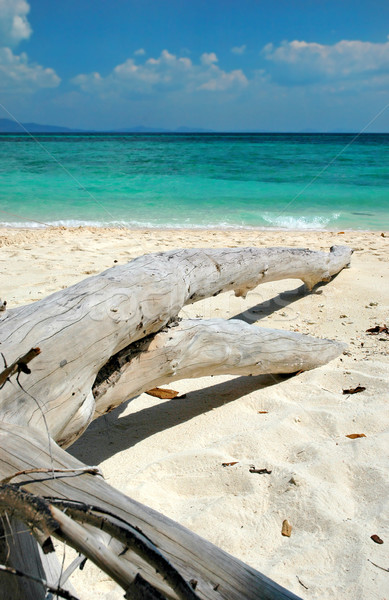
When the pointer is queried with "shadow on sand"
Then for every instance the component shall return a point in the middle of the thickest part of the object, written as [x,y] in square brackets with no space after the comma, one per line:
[99,442]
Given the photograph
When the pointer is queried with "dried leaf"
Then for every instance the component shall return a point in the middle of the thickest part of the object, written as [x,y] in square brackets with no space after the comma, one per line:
[263,412]
[230,464]
[286,528]
[378,329]
[259,471]
[376,539]
[355,390]
[164,394]
[354,436]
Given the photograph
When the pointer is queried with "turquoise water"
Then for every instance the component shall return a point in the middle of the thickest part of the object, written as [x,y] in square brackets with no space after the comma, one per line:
[290,181]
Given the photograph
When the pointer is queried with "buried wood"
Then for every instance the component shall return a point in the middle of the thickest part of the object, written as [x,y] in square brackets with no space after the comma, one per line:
[112,336]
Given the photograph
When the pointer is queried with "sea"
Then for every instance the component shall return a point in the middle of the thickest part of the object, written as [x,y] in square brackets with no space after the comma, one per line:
[278,181]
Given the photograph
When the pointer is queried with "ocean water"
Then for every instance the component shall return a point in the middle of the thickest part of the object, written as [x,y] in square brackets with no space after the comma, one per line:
[282,181]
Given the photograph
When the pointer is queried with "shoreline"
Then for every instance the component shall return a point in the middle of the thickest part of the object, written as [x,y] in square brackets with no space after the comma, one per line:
[194,228]
[61,256]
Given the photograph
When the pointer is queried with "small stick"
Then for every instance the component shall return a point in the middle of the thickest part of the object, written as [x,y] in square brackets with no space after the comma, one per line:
[92,470]
[19,366]
[259,471]
[301,583]
[373,563]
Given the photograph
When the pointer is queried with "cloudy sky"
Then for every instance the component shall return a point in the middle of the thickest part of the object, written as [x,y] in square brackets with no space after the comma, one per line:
[226,65]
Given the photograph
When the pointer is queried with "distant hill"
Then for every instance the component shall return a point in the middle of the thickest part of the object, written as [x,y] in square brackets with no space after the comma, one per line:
[142,129]
[10,126]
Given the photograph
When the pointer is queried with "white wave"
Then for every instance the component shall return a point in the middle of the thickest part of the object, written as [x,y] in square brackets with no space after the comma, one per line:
[274,222]
[126,224]
[292,222]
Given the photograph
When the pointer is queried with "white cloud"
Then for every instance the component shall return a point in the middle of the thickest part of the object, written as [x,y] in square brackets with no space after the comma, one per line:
[14,26]
[301,63]
[208,58]
[224,81]
[17,73]
[239,49]
[140,52]
[166,73]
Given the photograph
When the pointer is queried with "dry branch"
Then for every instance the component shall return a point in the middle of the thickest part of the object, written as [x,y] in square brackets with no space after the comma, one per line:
[196,348]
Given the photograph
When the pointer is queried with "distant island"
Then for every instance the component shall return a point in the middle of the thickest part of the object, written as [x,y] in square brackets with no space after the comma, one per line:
[10,126]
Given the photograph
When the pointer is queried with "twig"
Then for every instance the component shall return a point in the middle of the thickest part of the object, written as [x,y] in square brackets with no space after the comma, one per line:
[382,568]
[252,469]
[79,470]
[54,590]
[44,420]
[301,583]
[19,366]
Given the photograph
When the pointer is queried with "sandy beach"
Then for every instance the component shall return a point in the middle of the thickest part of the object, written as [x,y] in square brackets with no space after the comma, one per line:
[169,455]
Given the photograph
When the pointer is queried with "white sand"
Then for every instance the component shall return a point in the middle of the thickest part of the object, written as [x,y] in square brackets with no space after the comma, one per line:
[168,454]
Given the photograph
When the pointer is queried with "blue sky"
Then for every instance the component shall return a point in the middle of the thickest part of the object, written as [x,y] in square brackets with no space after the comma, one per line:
[274,65]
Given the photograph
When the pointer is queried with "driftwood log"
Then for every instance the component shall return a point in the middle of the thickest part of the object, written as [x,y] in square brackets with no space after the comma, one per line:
[84,350]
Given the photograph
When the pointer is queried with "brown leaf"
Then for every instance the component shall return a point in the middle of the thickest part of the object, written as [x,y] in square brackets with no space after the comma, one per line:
[164,394]
[286,528]
[355,390]
[376,539]
[354,436]
[340,232]
[378,329]
[230,464]
[259,471]
[263,412]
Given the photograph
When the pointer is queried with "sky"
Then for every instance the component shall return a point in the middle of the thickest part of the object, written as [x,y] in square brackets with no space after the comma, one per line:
[224,65]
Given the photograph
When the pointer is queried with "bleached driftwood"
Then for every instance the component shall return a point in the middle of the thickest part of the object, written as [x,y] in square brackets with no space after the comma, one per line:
[80,328]
[196,348]
[112,336]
